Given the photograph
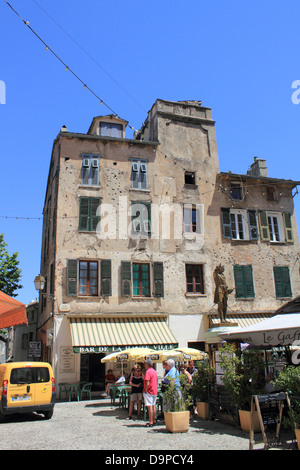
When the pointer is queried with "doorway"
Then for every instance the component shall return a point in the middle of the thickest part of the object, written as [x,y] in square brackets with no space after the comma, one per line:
[92,370]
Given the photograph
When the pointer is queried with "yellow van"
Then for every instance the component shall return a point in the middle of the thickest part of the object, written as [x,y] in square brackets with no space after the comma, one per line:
[26,387]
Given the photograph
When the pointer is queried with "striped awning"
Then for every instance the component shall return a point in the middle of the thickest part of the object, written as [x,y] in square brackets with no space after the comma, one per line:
[238,320]
[243,319]
[106,334]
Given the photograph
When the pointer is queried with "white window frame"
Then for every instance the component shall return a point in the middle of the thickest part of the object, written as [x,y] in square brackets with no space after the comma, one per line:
[90,164]
[139,167]
[239,216]
[278,216]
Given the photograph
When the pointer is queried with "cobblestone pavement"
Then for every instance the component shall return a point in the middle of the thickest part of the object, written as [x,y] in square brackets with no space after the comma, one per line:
[97,425]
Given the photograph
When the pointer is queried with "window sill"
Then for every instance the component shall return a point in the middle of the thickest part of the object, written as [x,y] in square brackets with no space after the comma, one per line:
[89,186]
[193,296]
[141,190]
[245,298]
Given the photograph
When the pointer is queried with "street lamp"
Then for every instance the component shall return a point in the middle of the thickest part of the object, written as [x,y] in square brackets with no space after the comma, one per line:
[39,282]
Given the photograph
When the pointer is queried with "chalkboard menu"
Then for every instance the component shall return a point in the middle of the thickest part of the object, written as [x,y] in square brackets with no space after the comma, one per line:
[269,408]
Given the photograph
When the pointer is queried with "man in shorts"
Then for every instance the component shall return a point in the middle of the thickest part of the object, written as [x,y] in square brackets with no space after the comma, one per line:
[150,391]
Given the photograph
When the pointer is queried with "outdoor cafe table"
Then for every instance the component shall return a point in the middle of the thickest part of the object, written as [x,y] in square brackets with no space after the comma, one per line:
[115,391]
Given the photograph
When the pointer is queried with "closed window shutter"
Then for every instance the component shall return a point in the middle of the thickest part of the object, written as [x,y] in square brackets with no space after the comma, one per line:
[243,277]
[72,277]
[239,282]
[288,227]
[253,229]
[94,218]
[248,282]
[106,277]
[84,214]
[226,225]
[282,281]
[158,274]
[263,225]
[125,278]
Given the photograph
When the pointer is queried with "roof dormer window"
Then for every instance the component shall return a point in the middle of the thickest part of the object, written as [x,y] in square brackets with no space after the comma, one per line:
[110,129]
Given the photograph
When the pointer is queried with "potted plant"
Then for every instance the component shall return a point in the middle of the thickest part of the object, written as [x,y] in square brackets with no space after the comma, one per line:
[288,380]
[243,377]
[200,389]
[176,403]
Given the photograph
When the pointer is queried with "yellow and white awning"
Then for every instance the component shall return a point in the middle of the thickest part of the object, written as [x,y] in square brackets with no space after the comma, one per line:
[109,334]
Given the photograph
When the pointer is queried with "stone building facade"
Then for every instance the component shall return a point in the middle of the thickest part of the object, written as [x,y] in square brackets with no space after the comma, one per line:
[134,228]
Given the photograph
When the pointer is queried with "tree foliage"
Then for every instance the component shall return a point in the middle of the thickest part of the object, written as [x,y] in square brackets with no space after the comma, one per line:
[10,273]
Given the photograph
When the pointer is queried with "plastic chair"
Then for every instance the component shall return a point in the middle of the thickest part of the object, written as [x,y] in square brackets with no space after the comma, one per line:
[63,387]
[73,389]
[124,398]
[87,387]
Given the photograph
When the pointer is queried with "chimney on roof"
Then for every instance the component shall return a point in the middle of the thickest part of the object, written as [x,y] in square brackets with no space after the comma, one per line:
[258,168]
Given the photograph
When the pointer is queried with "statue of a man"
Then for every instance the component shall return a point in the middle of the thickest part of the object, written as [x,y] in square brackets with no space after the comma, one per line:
[221,292]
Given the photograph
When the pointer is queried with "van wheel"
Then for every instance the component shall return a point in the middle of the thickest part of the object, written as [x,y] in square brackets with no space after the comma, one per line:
[2,417]
[48,414]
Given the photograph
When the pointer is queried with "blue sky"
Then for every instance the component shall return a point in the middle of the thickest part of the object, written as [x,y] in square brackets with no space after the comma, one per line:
[239,57]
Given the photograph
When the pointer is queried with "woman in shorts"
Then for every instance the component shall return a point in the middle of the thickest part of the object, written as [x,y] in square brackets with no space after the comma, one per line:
[136,383]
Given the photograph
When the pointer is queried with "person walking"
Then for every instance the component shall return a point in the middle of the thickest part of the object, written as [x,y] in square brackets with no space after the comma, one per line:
[136,383]
[150,391]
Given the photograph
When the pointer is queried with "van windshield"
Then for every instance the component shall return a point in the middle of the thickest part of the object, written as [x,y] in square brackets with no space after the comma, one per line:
[29,375]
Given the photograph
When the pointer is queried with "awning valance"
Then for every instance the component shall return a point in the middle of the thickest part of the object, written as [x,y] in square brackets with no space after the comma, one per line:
[12,312]
[106,334]
[239,320]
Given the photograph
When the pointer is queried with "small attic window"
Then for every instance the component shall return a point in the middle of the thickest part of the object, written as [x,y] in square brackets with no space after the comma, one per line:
[236,191]
[111,129]
[189,177]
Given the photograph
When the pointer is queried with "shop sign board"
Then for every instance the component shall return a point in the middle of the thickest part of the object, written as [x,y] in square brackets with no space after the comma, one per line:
[110,349]
[35,349]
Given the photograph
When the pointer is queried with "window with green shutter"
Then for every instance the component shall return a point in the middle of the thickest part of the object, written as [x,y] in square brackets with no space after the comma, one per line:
[72,277]
[243,277]
[158,276]
[226,222]
[264,226]
[88,218]
[287,220]
[105,277]
[282,281]
[125,278]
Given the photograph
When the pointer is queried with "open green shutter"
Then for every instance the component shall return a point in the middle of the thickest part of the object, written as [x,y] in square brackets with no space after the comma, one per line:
[158,274]
[226,224]
[125,278]
[263,225]
[72,276]
[253,229]
[288,227]
[106,277]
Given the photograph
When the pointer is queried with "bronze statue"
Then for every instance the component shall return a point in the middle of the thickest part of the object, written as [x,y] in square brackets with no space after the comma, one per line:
[221,292]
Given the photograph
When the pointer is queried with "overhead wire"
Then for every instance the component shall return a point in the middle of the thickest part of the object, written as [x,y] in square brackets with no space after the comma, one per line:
[67,68]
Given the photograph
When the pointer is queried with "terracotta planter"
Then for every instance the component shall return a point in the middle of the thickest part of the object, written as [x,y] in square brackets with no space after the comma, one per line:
[177,421]
[245,421]
[203,409]
[297,432]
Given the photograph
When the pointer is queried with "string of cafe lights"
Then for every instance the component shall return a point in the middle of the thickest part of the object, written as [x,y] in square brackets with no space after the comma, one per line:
[67,68]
